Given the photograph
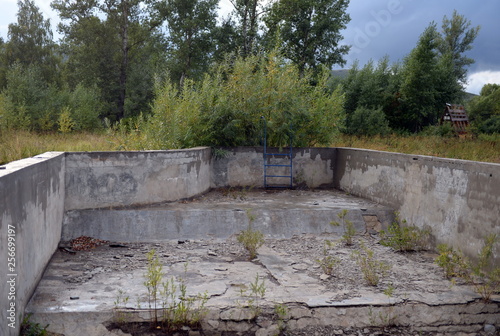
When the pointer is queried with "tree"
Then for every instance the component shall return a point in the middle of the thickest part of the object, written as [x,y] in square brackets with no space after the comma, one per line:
[4,66]
[419,89]
[455,39]
[484,110]
[247,14]
[309,31]
[190,24]
[226,39]
[103,43]
[31,42]
[370,95]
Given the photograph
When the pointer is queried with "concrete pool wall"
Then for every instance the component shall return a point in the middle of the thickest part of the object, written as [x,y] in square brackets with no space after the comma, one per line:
[459,200]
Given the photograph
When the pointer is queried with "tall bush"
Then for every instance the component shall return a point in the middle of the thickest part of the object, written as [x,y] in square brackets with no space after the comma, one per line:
[30,103]
[226,108]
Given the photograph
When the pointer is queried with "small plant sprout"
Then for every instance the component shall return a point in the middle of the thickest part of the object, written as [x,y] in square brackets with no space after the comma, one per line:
[154,275]
[120,302]
[347,225]
[327,262]
[481,273]
[254,295]
[29,328]
[281,311]
[251,239]
[371,268]
[403,237]
[453,262]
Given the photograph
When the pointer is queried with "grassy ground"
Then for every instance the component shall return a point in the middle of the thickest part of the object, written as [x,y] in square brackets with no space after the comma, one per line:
[15,145]
[483,148]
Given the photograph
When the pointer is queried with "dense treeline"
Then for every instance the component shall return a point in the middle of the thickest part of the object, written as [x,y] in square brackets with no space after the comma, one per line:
[172,74]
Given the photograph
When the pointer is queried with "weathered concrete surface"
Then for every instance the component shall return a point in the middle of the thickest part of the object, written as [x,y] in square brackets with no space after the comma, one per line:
[459,200]
[110,179]
[244,166]
[277,215]
[31,213]
[78,297]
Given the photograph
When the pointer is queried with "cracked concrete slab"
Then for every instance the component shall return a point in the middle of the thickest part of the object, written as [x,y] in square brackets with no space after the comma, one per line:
[85,290]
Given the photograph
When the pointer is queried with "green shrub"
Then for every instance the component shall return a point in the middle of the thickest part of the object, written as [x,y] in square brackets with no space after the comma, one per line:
[65,122]
[348,227]
[403,237]
[479,272]
[371,268]
[249,238]
[366,121]
[453,263]
[328,262]
[225,109]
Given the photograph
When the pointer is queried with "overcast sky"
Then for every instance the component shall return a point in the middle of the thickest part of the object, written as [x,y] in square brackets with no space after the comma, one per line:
[383,27]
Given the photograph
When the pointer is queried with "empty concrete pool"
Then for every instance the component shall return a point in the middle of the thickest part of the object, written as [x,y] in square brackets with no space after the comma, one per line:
[188,207]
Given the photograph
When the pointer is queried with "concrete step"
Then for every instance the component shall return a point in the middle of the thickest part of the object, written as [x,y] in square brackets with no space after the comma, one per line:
[220,215]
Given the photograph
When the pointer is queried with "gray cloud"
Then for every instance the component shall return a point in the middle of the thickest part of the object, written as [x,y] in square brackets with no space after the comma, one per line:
[392,27]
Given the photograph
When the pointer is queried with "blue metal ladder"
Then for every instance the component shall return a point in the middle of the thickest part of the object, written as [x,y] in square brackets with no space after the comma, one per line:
[284,163]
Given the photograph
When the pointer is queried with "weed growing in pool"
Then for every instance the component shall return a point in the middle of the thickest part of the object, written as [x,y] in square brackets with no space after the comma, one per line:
[371,268]
[177,307]
[180,309]
[120,315]
[327,262]
[403,237]
[480,273]
[154,275]
[29,328]
[282,314]
[253,294]
[347,225]
[251,239]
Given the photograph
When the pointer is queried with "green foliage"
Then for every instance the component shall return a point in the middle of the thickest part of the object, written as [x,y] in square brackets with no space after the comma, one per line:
[190,23]
[371,92]
[309,31]
[29,328]
[348,227]
[225,109]
[479,272]
[179,309]
[121,300]
[456,38]
[107,45]
[484,110]
[85,105]
[445,130]
[418,89]
[403,237]
[251,239]
[254,294]
[30,103]
[24,97]
[453,262]
[371,268]
[365,121]
[327,262]
[282,313]
[153,276]
[31,41]
[412,95]
[66,124]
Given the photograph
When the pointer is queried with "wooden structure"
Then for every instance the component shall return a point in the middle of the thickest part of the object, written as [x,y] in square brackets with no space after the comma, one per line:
[457,116]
